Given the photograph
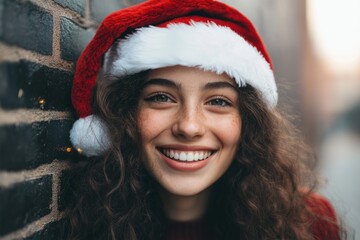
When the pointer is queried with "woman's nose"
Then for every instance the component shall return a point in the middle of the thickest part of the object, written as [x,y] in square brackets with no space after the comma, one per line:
[189,124]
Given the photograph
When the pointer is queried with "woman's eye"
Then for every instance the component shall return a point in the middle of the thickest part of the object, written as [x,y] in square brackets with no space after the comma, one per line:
[219,102]
[159,98]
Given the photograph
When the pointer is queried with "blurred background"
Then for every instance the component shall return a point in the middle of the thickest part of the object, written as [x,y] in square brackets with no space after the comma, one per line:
[315,47]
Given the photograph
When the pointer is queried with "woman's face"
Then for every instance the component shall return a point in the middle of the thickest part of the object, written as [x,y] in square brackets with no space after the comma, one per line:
[190,127]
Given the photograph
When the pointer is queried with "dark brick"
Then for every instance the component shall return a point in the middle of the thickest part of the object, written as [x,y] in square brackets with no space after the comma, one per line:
[67,183]
[24,84]
[24,203]
[26,25]
[28,146]
[52,231]
[1,17]
[133,2]
[100,9]
[75,5]
[73,39]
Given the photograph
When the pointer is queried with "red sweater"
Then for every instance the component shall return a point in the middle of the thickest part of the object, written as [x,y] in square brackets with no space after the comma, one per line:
[322,229]
[322,209]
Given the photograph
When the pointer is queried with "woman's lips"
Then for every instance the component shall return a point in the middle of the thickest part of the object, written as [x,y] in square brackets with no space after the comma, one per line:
[186,160]
[182,155]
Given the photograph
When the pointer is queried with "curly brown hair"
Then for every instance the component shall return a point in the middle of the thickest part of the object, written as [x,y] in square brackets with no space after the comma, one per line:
[261,195]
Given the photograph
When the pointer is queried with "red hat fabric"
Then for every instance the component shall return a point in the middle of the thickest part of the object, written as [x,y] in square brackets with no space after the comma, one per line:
[158,33]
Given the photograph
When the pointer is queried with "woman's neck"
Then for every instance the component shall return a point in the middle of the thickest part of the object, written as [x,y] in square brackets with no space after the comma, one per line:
[185,208]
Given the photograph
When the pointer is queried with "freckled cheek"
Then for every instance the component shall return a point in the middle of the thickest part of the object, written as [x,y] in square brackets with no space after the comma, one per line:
[149,128]
[228,130]
[151,123]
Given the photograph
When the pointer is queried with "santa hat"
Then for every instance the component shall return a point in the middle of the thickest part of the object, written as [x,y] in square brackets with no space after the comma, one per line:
[158,33]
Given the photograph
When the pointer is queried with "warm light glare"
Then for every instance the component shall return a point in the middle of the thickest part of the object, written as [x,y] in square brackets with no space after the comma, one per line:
[334,27]
[41,101]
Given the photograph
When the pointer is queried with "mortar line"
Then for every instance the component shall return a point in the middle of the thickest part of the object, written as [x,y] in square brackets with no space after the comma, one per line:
[8,178]
[33,227]
[56,8]
[26,116]
[56,39]
[87,11]
[55,192]
[15,54]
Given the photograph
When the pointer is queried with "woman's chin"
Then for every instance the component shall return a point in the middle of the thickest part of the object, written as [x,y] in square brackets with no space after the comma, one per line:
[184,190]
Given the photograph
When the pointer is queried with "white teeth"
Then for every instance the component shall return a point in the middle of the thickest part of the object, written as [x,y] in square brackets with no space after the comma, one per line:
[188,156]
[182,156]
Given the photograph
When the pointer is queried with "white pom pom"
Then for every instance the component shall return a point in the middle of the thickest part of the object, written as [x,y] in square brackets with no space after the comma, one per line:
[90,134]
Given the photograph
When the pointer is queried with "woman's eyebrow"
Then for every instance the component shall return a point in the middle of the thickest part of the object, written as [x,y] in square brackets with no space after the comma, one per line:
[220,84]
[162,82]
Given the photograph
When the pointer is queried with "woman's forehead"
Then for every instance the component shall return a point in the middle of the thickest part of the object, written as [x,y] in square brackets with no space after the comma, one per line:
[180,74]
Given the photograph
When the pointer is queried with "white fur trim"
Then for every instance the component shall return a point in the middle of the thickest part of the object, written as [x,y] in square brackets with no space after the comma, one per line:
[90,135]
[203,45]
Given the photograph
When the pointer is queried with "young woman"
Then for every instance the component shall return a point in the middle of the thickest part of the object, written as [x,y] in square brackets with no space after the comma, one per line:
[177,105]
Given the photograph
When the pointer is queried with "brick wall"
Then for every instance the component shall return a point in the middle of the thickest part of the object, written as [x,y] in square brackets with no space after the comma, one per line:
[40,41]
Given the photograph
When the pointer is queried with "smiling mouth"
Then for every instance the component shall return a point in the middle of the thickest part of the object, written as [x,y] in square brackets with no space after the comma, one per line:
[186,156]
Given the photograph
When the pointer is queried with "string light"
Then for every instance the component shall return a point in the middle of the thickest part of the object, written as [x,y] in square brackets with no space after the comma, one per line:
[42,102]
[20,93]
[69,149]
